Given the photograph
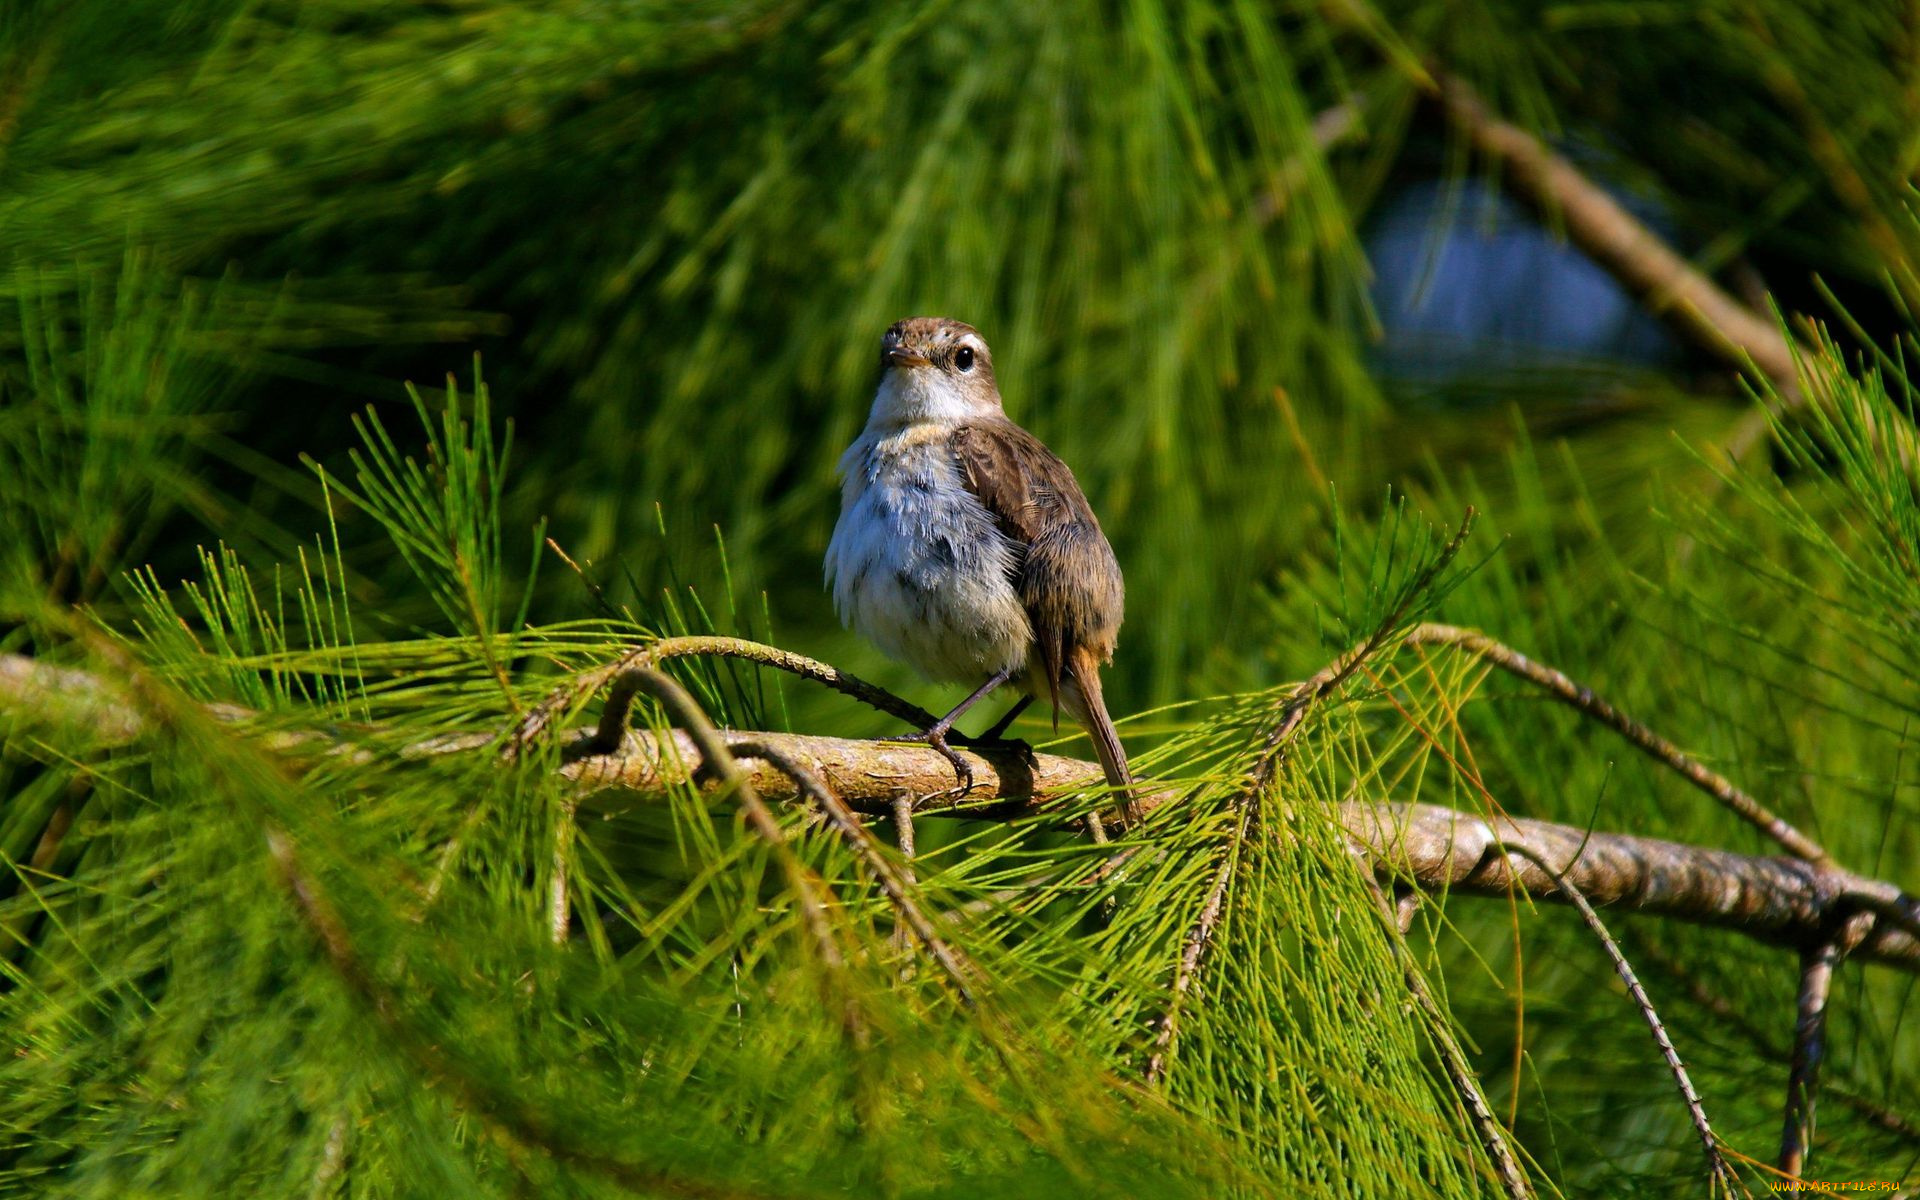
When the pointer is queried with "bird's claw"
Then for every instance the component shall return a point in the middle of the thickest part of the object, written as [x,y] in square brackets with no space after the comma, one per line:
[936,739]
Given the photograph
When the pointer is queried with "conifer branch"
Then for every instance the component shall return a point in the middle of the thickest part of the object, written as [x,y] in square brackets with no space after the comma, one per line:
[1279,741]
[1583,698]
[1434,849]
[1721,1176]
[1195,946]
[1246,805]
[898,890]
[1810,1038]
[510,1120]
[1670,286]
[1781,901]
[149,706]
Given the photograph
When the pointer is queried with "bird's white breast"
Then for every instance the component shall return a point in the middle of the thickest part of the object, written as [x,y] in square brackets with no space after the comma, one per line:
[917,563]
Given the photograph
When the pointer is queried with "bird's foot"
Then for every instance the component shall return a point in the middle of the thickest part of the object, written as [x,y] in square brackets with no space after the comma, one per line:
[936,739]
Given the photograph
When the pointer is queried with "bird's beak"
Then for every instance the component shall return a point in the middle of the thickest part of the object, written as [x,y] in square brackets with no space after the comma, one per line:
[900,357]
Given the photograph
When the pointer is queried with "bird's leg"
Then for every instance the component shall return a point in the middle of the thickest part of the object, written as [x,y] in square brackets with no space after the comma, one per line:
[935,735]
[996,738]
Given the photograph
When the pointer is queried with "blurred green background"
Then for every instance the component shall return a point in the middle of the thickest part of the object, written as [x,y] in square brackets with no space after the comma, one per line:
[1237,268]
[672,233]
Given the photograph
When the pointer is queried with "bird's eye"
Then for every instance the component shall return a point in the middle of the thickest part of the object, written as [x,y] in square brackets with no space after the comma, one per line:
[963,358]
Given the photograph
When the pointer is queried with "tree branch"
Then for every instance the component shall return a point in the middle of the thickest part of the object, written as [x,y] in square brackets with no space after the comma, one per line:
[1723,1010]
[1722,1178]
[1779,901]
[1810,1038]
[1583,698]
[1292,714]
[1670,286]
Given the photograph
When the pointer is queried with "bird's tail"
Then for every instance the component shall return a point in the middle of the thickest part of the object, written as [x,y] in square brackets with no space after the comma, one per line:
[1086,703]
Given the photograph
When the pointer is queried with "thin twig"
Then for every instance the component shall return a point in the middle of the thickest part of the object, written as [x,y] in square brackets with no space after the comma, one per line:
[1718,1171]
[897,890]
[1245,804]
[443,862]
[1406,906]
[333,1159]
[613,718]
[1198,938]
[903,836]
[1878,1115]
[903,829]
[1810,1038]
[1583,698]
[1335,673]
[16,930]
[1466,1085]
[559,899]
[717,760]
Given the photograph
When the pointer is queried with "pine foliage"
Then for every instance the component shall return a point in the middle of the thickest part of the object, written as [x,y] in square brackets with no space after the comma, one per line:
[279,917]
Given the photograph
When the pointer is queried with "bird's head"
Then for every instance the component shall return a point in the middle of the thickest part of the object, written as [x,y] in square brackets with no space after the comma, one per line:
[934,370]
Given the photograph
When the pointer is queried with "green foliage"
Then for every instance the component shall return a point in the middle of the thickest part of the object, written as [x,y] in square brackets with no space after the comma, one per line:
[271,947]
[698,1003]
[699,217]
[344,976]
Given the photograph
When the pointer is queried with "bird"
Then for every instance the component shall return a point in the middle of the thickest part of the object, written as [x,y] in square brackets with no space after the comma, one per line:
[966,549]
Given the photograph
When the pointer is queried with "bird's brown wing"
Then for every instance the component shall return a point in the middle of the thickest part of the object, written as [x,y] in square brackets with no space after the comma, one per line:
[1065,571]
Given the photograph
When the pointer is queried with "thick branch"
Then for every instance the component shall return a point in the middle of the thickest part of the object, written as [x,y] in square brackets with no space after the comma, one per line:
[1781,901]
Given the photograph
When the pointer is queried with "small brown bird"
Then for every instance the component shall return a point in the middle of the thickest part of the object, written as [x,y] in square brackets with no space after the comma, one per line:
[966,548]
